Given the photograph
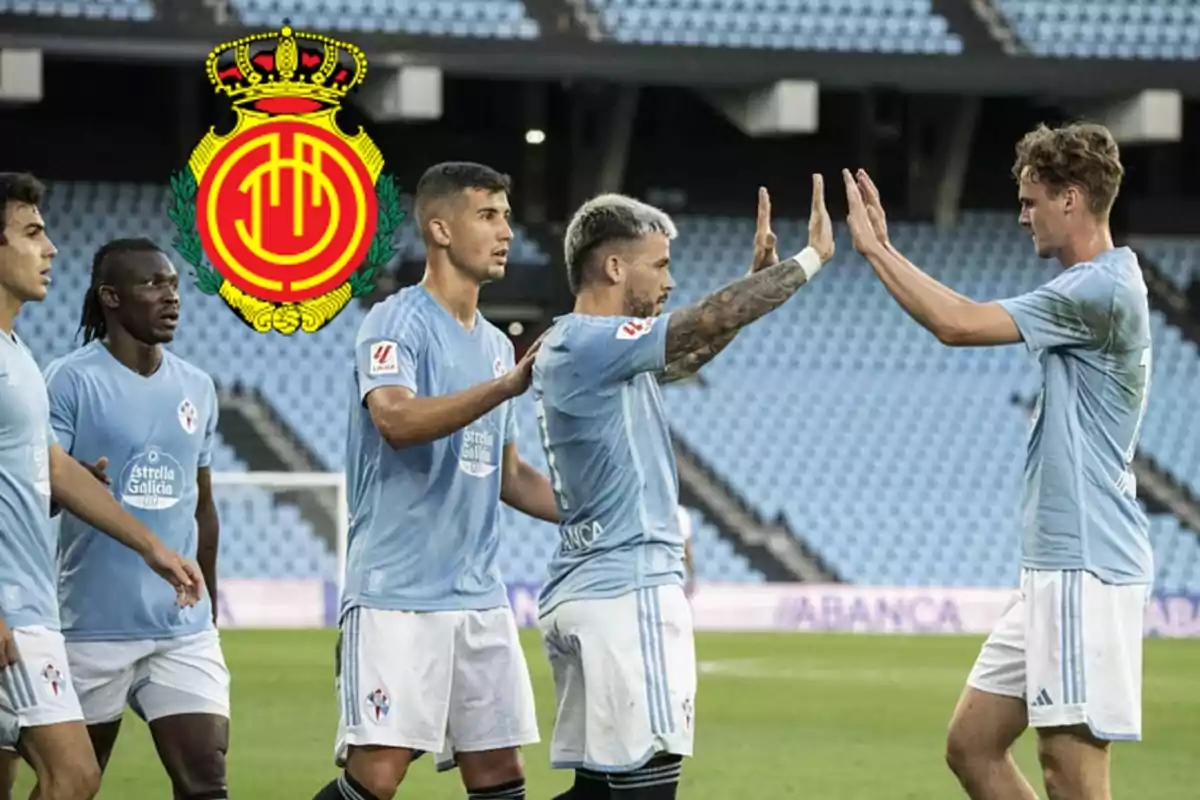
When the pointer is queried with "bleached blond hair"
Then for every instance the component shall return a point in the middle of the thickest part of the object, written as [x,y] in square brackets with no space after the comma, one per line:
[608,219]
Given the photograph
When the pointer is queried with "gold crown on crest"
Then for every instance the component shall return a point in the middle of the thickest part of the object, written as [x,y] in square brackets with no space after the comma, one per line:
[289,72]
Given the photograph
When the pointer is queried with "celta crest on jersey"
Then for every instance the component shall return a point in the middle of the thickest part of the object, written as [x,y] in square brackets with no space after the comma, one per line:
[188,415]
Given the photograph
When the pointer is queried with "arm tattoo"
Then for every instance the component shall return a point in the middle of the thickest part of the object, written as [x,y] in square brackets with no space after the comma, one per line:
[709,324]
[689,364]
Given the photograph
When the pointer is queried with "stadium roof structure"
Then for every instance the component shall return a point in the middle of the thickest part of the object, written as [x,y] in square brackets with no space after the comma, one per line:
[576,57]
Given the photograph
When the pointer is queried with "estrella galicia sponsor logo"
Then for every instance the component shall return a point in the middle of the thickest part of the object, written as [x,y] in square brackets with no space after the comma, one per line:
[152,480]
[479,456]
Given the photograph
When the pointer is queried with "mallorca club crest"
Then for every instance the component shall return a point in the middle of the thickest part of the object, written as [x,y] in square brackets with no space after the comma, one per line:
[295,216]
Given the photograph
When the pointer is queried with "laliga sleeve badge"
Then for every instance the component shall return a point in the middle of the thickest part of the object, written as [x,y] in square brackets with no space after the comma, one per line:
[635,329]
[384,360]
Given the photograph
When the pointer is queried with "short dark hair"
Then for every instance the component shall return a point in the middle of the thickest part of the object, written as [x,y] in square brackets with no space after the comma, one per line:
[604,220]
[18,187]
[445,180]
[91,318]
[1083,154]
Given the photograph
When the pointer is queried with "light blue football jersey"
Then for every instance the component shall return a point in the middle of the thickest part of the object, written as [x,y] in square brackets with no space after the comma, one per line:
[1091,328]
[608,451]
[156,432]
[425,520]
[27,543]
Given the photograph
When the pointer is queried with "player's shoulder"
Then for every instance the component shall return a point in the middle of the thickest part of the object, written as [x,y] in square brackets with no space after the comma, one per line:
[81,361]
[583,331]
[402,313]
[187,372]
[1113,271]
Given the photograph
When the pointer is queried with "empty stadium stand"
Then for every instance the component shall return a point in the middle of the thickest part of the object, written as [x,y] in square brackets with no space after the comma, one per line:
[896,459]
[135,10]
[494,19]
[885,26]
[1179,259]
[1147,29]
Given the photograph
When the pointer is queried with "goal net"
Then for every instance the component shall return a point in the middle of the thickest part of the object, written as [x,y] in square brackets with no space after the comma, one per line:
[283,547]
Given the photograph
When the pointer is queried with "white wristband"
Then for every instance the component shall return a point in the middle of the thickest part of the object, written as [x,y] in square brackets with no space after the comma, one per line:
[809,261]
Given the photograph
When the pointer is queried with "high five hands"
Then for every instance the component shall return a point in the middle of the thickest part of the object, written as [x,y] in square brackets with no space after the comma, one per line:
[866,218]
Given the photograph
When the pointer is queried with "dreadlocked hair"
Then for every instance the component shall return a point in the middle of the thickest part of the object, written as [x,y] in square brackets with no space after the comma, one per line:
[91,320]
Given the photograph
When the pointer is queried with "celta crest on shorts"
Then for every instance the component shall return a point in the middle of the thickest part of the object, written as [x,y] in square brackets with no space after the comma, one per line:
[295,215]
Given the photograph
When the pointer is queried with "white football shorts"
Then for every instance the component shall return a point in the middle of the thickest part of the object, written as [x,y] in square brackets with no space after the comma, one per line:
[439,682]
[625,679]
[155,677]
[1070,645]
[36,690]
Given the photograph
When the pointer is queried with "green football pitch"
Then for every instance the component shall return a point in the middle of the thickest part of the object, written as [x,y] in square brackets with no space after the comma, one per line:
[778,716]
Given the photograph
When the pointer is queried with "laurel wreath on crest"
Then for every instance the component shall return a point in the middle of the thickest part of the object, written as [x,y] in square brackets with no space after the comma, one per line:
[264,315]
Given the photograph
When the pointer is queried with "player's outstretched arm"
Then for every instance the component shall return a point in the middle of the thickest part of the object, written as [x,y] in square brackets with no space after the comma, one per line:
[208,533]
[74,488]
[696,333]
[405,420]
[526,489]
[765,255]
[955,320]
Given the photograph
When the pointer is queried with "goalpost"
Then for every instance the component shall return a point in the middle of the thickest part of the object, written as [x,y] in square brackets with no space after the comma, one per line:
[320,498]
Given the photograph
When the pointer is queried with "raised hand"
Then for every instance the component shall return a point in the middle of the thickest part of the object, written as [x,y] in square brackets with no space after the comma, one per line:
[820,226]
[870,196]
[862,230]
[765,252]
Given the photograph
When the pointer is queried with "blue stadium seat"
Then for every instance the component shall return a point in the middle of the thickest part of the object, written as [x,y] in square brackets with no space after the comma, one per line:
[492,19]
[1179,259]
[127,10]
[1145,30]
[886,26]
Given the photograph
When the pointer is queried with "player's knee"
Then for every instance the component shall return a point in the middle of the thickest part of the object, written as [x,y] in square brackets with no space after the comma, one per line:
[378,770]
[77,780]
[1054,773]
[491,767]
[202,776]
[958,751]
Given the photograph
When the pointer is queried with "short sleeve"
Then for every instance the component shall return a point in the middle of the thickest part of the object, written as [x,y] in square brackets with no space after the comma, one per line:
[623,347]
[386,354]
[62,389]
[1073,310]
[210,428]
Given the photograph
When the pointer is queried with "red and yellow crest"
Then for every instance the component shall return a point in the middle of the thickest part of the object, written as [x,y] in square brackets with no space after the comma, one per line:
[294,215]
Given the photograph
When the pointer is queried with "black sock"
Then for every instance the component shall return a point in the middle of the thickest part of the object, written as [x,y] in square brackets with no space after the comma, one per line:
[344,788]
[588,786]
[658,780]
[513,790]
